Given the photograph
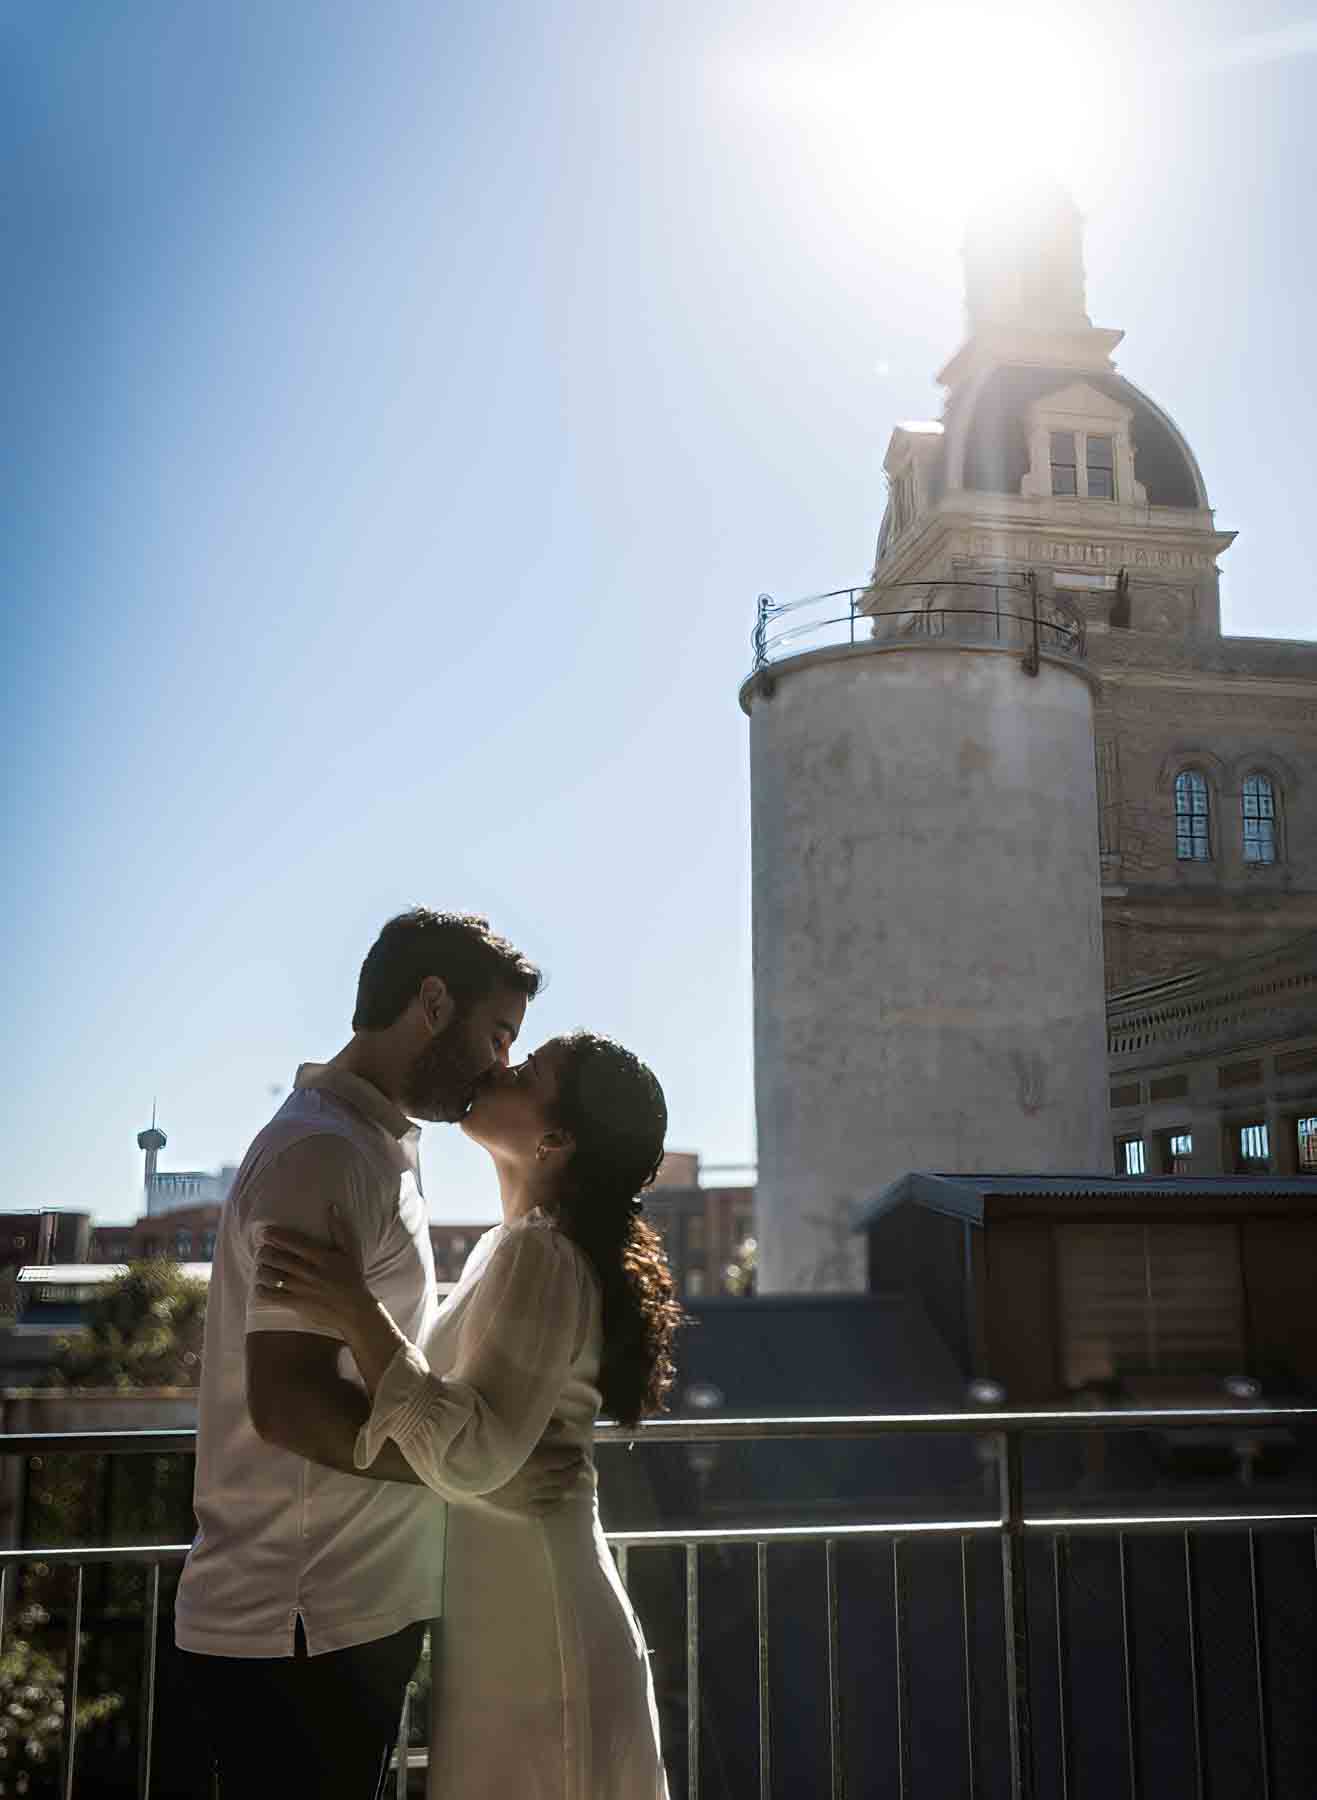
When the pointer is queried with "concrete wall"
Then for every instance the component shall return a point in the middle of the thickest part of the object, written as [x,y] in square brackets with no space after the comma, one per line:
[927,936]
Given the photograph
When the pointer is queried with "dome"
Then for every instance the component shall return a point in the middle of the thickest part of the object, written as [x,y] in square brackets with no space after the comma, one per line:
[995,435]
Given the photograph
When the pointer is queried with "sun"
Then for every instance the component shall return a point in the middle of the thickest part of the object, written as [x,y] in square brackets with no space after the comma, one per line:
[943,114]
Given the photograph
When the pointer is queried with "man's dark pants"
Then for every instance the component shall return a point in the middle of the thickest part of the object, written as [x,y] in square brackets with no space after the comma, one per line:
[284,1726]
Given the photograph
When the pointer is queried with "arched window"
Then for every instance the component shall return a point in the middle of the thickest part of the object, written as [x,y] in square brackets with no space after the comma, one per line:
[1193,837]
[1258,800]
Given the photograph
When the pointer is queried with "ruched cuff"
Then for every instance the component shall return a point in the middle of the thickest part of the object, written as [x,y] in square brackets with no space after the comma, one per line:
[400,1405]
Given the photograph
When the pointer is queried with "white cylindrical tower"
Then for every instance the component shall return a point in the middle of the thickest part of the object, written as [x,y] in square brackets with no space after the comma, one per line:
[927,931]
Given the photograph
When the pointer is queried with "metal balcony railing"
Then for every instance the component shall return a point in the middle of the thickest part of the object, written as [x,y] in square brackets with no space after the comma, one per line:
[1013,1525]
[1015,614]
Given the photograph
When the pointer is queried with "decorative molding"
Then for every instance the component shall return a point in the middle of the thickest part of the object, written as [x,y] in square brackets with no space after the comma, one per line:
[1282,773]
[1190,756]
[1205,1003]
[1087,553]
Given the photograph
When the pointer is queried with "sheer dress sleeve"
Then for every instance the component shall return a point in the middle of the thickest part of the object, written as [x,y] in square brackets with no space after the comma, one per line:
[467,1432]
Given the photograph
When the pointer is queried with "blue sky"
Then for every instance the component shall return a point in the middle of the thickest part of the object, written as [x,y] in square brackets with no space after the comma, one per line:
[404,408]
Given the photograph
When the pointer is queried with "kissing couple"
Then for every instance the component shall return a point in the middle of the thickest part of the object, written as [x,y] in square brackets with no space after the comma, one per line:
[370,1461]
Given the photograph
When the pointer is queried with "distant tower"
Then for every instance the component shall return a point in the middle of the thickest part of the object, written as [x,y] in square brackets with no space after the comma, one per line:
[927,860]
[152,1141]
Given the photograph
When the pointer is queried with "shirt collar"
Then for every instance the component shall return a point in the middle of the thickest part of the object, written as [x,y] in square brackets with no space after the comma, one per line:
[365,1098]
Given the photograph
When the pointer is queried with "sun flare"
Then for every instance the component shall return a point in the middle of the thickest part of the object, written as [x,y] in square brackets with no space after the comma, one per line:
[945,115]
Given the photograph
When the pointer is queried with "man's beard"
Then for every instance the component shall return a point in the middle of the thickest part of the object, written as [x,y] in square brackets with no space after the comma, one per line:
[442,1082]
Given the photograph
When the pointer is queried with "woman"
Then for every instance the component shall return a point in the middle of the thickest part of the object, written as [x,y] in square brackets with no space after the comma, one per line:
[542,1683]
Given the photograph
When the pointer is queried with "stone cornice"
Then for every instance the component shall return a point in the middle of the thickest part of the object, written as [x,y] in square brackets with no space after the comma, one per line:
[1096,536]
[1130,662]
[1090,347]
[1275,988]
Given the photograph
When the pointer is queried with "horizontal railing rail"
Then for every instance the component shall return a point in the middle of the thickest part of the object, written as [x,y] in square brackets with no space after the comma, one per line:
[1012,1524]
[1011,614]
[1016,1422]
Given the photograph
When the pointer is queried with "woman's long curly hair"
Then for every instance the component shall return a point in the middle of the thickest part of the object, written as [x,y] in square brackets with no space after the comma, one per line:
[614,1109]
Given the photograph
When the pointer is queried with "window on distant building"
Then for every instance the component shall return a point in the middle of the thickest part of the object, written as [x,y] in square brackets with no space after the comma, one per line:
[1065,470]
[182,1243]
[695,1282]
[1252,1147]
[743,1228]
[1306,1132]
[458,1245]
[207,1246]
[1258,801]
[1193,817]
[695,1233]
[1101,468]
[1130,1159]
[1179,1153]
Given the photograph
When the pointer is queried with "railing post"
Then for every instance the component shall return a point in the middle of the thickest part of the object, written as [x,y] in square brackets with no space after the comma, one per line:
[759,636]
[836,1748]
[73,1653]
[1016,1608]
[765,1699]
[1033,655]
[150,1638]
[693,1672]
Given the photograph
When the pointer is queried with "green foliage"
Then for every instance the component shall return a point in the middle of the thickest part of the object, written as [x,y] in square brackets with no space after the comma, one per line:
[32,1705]
[143,1330]
[739,1277]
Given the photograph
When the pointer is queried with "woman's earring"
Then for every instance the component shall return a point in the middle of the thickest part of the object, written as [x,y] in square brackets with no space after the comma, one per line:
[541,1152]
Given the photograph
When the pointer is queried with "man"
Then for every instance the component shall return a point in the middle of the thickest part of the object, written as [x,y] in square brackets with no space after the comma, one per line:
[305,1597]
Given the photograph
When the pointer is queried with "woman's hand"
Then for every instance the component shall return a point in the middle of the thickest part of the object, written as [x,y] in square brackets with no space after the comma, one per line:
[322,1282]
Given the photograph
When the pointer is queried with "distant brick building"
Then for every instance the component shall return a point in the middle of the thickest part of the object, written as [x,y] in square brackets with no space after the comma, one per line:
[703,1228]
[1214,1072]
[452,1244]
[44,1235]
[184,1234]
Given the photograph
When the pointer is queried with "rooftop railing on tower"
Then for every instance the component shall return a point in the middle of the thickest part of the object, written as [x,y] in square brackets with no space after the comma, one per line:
[1019,614]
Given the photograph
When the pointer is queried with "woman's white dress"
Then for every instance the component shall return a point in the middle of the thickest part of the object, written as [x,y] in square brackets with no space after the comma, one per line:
[542,1687]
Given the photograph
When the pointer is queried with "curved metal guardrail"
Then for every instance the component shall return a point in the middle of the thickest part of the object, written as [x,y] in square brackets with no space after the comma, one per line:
[1016,615]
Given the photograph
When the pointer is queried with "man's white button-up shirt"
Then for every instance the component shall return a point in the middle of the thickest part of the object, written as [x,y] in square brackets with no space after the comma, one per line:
[277,1536]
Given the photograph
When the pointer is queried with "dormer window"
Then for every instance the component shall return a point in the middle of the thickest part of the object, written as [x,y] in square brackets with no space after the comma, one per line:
[1065,469]
[1100,466]
[1076,453]
[1080,447]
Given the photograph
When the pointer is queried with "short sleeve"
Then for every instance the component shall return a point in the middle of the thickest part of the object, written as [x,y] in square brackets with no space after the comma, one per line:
[297,1189]
[469,1431]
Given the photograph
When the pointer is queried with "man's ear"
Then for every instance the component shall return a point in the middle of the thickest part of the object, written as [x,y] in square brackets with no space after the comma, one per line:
[558,1139]
[437,1005]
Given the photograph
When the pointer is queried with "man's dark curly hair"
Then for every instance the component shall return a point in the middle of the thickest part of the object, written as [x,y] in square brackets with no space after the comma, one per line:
[614,1108]
[459,947]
